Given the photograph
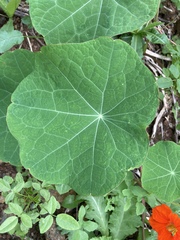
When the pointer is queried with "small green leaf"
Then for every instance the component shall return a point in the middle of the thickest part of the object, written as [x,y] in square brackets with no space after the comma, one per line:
[81,214]
[28,184]
[19,178]
[164,82]
[33,215]
[20,230]
[8,179]
[7,211]
[52,205]
[27,21]
[67,222]
[9,37]
[137,43]
[9,197]
[8,224]
[4,185]
[36,186]
[138,191]
[140,208]
[177,3]
[45,223]
[15,208]
[62,188]
[26,220]
[79,235]
[17,188]
[11,7]
[127,193]
[174,70]
[151,200]
[178,84]
[150,26]
[45,194]
[103,238]
[166,72]
[157,38]
[70,201]
[90,226]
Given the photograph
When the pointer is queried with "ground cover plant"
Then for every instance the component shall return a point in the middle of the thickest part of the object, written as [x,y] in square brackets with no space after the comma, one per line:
[75,115]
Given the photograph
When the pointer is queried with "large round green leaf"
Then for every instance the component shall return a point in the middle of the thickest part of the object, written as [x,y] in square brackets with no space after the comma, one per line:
[161,171]
[14,66]
[82,20]
[80,118]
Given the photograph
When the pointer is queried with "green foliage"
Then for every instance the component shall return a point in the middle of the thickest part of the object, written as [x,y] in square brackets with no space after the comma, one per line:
[171,77]
[27,21]
[161,171]
[177,3]
[85,123]
[115,215]
[14,67]
[9,37]
[9,7]
[29,201]
[155,37]
[77,113]
[147,33]
[82,20]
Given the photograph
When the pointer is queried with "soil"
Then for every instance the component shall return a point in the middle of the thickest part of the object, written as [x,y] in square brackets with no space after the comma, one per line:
[164,129]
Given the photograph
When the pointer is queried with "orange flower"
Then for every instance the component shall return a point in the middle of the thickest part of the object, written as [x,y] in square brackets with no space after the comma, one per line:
[165,223]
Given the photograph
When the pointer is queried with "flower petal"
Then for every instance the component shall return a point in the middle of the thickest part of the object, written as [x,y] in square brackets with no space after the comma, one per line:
[161,213]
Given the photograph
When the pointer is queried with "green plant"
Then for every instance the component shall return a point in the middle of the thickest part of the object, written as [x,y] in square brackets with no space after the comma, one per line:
[102,78]
[29,202]
[177,3]
[76,113]
[114,216]
[8,36]
[9,6]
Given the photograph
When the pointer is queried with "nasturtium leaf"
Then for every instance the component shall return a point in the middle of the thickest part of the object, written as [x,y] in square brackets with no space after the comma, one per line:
[9,37]
[82,20]
[161,171]
[14,66]
[80,118]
